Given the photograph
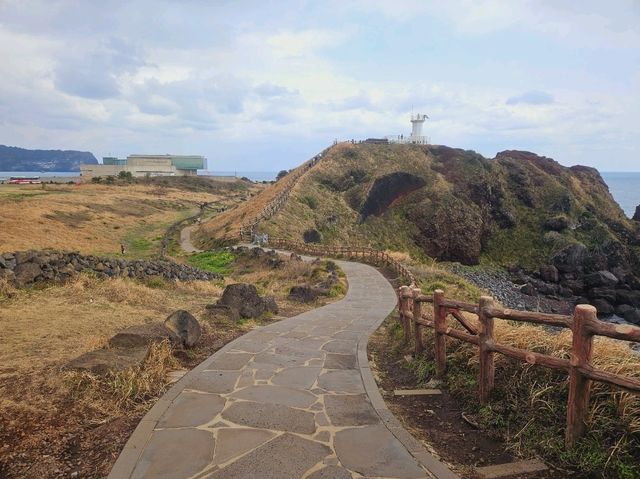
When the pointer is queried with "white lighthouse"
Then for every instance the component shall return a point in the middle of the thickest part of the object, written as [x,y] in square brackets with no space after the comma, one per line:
[416,129]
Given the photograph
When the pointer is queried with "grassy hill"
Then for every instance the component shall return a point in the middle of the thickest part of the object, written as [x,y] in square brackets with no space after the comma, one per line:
[456,205]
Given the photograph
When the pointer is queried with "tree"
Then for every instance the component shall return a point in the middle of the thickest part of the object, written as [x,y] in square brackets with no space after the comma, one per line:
[282,174]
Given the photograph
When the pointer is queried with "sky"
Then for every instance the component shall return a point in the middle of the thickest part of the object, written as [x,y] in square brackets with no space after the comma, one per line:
[264,85]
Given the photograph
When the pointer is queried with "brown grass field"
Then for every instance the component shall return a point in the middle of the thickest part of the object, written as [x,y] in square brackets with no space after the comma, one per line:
[96,219]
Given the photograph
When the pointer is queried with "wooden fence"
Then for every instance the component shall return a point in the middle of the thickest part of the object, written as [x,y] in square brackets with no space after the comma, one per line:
[247,230]
[363,254]
[584,325]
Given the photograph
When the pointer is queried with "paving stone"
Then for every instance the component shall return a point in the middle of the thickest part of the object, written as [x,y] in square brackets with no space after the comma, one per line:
[352,335]
[374,451]
[321,419]
[156,463]
[285,457]
[322,436]
[344,381]
[235,442]
[192,409]
[340,361]
[296,334]
[271,416]
[331,472]
[279,360]
[250,346]
[341,346]
[350,410]
[214,381]
[268,394]
[301,352]
[301,377]
[230,361]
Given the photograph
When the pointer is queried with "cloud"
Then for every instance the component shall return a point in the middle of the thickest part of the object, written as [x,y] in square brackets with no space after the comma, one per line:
[93,71]
[531,98]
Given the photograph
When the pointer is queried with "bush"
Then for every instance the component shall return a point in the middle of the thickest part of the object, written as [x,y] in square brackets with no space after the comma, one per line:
[281,174]
[96,179]
[310,201]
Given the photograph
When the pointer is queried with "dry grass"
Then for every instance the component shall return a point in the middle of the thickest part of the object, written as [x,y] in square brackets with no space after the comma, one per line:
[227,225]
[44,327]
[92,218]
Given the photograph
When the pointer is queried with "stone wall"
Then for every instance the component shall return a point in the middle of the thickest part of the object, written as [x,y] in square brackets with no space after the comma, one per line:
[22,268]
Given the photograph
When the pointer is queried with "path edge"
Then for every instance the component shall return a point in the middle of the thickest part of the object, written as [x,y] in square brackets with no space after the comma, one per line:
[436,467]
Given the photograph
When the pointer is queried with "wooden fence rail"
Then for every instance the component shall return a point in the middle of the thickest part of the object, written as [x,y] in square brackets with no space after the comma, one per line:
[584,325]
[364,254]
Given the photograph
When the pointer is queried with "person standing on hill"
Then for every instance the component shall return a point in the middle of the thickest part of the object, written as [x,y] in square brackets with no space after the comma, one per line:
[122,250]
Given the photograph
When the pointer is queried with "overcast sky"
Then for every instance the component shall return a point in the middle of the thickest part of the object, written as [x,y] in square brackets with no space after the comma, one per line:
[262,85]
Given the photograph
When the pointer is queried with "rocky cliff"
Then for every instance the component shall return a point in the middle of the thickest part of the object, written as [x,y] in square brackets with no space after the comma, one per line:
[19,159]
[556,229]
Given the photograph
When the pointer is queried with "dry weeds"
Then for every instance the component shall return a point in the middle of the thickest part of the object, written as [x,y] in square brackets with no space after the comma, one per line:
[92,218]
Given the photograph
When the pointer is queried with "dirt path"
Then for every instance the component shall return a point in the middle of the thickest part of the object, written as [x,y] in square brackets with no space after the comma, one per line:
[290,400]
[185,240]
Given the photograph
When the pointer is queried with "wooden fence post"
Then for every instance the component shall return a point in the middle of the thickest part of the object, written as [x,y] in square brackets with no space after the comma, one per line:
[440,323]
[417,314]
[486,343]
[579,384]
[406,307]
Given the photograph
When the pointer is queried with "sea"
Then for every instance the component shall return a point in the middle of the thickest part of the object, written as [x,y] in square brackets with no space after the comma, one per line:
[624,186]
[252,175]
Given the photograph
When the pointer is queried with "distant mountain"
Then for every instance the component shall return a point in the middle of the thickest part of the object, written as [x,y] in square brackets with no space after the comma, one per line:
[13,158]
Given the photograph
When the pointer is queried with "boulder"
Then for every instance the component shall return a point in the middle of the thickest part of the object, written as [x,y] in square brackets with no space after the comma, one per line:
[26,273]
[271,305]
[312,236]
[303,294]
[601,278]
[244,298]
[623,309]
[570,258]
[631,297]
[295,257]
[184,326]
[549,273]
[575,285]
[143,335]
[633,316]
[636,215]
[603,306]
[223,310]
[603,293]
[102,361]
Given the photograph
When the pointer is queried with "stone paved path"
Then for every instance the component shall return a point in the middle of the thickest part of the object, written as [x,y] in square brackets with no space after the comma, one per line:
[295,399]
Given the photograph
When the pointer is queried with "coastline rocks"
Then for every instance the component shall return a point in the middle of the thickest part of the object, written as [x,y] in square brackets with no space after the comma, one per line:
[22,268]
[636,215]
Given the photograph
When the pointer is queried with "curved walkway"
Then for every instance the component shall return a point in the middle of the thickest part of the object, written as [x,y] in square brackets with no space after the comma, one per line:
[295,399]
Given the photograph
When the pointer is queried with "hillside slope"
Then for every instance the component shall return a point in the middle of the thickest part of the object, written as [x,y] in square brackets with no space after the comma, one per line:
[515,210]
[13,158]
